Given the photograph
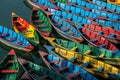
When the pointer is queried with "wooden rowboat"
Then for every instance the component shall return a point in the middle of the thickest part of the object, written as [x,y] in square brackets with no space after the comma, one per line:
[41,22]
[71,17]
[90,13]
[94,66]
[107,7]
[79,60]
[38,72]
[10,39]
[64,29]
[9,67]
[108,33]
[25,29]
[80,20]
[96,4]
[69,70]
[97,40]
[38,3]
[103,54]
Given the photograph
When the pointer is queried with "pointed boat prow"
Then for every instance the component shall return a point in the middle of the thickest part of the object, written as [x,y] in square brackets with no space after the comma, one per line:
[12,52]
[42,54]
[13,14]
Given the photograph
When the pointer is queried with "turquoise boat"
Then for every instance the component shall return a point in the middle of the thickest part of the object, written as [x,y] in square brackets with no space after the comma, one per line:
[80,20]
[92,14]
[96,4]
[12,40]
[69,70]
[63,28]
[47,4]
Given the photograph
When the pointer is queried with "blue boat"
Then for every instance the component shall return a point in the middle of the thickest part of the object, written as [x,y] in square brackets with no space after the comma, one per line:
[95,14]
[10,39]
[83,20]
[38,3]
[106,73]
[63,28]
[67,69]
[96,4]
[108,7]
[84,7]
[83,4]
[52,6]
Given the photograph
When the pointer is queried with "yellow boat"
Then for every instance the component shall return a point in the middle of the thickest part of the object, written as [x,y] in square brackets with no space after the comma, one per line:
[94,66]
[116,2]
[98,53]
[25,29]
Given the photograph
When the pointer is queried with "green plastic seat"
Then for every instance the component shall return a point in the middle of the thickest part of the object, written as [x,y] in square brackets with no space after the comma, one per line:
[64,43]
[58,41]
[80,48]
[86,48]
[95,52]
[71,45]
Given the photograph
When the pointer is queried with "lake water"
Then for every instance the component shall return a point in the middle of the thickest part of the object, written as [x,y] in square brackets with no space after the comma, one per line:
[9,6]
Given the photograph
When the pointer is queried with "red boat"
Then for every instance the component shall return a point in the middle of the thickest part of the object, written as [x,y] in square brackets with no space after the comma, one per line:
[109,33]
[98,41]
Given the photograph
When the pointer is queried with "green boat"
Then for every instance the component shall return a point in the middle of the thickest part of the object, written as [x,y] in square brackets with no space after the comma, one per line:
[38,72]
[102,54]
[9,67]
[41,22]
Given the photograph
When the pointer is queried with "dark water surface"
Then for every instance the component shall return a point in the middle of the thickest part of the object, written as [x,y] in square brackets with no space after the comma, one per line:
[9,6]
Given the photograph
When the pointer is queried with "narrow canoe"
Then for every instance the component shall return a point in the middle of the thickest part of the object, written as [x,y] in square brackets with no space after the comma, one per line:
[96,4]
[38,72]
[69,70]
[108,33]
[64,29]
[94,66]
[9,67]
[74,18]
[93,14]
[11,40]
[83,19]
[25,29]
[98,53]
[97,40]
[38,3]
[41,22]
[84,4]
[108,7]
